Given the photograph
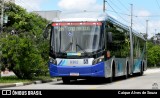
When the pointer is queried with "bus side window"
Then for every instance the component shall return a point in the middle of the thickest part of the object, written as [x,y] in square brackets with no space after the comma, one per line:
[110,37]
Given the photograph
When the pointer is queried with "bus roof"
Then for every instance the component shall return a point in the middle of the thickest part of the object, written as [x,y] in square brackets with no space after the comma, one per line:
[92,17]
[81,16]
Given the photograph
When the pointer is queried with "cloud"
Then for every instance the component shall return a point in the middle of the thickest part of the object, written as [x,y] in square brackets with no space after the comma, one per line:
[140,22]
[30,5]
[79,5]
[153,27]
[143,13]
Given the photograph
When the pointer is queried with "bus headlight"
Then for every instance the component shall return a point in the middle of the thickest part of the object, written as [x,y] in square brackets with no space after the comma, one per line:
[53,61]
[98,60]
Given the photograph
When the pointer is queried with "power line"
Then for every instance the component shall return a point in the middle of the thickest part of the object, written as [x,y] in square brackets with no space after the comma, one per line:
[117,13]
[123,5]
[148,16]
[114,4]
[158,4]
[142,24]
[134,15]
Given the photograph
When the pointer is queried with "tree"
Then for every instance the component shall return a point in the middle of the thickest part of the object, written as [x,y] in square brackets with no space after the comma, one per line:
[24,51]
[153,54]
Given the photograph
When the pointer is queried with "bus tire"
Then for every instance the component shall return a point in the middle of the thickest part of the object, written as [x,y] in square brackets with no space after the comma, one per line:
[112,74]
[65,80]
[111,79]
[141,70]
[127,72]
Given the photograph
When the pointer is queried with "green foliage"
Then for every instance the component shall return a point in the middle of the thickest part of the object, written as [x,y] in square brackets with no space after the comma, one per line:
[26,52]
[21,20]
[12,79]
[153,54]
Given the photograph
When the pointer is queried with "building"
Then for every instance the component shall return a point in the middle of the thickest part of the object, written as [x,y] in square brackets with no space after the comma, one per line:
[156,38]
[13,1]
[49,15]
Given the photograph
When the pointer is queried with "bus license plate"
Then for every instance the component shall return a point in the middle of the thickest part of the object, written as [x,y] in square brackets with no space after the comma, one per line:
[74,74]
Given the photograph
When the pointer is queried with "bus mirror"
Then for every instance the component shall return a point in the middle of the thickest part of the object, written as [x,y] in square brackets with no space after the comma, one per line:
[47,31]
[110,37]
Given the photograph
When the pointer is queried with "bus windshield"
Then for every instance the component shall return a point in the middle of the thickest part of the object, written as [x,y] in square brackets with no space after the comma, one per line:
[77,37]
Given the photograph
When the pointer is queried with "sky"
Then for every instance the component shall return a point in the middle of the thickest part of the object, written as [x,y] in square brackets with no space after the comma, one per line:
[119,9]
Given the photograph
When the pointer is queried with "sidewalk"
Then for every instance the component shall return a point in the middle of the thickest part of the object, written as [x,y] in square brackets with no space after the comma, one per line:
[7,73]
[152,70]
[5,85]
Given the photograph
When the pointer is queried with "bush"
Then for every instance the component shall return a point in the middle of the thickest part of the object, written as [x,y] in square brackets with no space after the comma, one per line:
[22,55]
[24,51]
[153,54]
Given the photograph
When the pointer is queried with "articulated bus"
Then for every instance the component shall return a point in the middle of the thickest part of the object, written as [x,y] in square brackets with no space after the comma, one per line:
[91,45]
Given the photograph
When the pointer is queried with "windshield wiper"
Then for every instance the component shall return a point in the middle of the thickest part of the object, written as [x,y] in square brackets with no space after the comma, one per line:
[81,49]
[68,46]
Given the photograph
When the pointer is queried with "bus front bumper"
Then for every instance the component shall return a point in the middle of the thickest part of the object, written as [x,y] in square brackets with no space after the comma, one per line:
[96,70]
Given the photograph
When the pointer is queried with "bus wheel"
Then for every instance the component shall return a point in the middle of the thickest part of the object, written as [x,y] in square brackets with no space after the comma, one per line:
[112,74]
[141,70]
[111,79]
[127,72]
[65,80]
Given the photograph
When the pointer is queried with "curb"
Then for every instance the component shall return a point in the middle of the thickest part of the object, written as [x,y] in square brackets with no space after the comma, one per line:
[29,83]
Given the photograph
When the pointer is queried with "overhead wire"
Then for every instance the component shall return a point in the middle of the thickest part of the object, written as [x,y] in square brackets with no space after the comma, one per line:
[123,5]
[158,4]
[135,23]
[116,12]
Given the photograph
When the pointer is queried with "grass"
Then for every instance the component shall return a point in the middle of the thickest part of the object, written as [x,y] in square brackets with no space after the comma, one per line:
[42,78]
[14,79]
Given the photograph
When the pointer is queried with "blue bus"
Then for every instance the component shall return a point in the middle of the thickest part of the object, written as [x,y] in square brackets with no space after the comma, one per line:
[91,45]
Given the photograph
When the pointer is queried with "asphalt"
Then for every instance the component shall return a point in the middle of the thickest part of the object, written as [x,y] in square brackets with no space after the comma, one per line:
[6,85]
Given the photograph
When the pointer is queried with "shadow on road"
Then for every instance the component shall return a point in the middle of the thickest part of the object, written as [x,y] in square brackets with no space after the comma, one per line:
[97,81]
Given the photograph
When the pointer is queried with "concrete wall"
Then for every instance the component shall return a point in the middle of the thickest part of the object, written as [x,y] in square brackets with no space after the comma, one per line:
[49,15]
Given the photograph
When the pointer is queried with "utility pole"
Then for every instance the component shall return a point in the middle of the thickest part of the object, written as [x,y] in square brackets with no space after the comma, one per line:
[2,15]
[104,5]
[155,37]
[147,29]
[146,40]
[131,16]
[131,39]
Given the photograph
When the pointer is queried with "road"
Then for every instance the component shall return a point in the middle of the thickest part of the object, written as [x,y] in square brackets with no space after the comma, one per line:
[147,81]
